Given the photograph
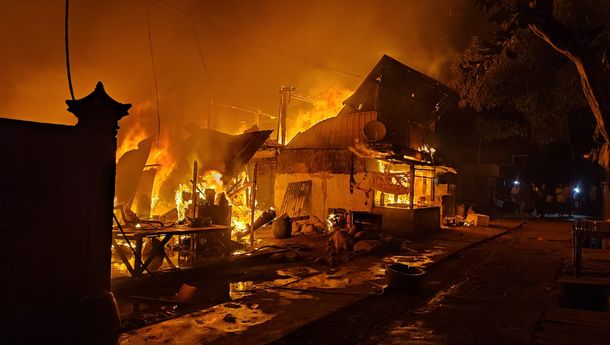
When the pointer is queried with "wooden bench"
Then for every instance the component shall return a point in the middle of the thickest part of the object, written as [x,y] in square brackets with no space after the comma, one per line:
[583,230]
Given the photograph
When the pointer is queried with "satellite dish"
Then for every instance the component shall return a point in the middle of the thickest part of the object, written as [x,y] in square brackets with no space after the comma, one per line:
[374,131]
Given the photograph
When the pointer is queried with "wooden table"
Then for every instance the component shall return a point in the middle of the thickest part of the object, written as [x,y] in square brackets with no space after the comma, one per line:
[221,233]
[582,230]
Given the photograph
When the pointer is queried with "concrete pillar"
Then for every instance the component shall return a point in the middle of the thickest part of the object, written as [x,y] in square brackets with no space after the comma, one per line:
[98,115]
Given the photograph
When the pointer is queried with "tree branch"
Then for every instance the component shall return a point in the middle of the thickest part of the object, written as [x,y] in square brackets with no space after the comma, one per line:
[546,27]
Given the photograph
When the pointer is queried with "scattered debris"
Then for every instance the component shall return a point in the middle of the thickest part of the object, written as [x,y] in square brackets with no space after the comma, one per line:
[308,229]
[369,246]
[150,246]
[292,256]
[339,242]
[282,226]
[392,243]
[232,305]
[321,261]
[278,257]
[186,293]
[477,219]
[366,235]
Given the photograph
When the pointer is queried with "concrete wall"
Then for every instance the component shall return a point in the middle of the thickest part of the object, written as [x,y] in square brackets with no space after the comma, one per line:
[265,178]
[329,170]
[336,161]
[327,191]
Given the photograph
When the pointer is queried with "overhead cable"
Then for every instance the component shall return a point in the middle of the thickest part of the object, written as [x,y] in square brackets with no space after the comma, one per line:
[152,58]
[67,44]
[256,42]
[203,64]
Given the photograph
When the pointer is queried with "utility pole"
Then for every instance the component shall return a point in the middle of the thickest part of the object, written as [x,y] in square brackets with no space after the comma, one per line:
[285,94]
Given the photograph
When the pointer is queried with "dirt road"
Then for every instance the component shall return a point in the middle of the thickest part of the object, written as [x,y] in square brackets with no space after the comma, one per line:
[492,293]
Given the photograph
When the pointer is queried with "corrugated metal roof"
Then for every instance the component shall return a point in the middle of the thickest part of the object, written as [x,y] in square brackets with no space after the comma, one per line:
[129,170]
[296,198]
[406,101]
[397,90]
[339,131]
[265,153]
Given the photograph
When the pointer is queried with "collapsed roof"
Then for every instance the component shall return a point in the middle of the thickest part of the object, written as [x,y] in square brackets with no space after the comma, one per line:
[212,150]
[129,170]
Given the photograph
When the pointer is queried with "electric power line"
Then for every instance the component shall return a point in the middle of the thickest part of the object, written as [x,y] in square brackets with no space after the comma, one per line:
[67,41]
[203,64]
[256,42]
[152,58]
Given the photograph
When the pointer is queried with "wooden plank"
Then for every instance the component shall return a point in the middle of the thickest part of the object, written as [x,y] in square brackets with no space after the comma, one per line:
[173,230]
[295,198]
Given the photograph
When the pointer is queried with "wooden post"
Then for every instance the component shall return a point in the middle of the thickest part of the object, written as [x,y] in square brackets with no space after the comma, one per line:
[253,206]
[412,187]
[434,187]
[194,195]
[381,194]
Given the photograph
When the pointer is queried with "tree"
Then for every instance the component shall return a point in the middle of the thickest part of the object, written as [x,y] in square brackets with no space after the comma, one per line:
[547,59]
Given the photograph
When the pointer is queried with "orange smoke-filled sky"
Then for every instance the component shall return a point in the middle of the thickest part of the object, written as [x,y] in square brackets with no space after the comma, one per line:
[250,49]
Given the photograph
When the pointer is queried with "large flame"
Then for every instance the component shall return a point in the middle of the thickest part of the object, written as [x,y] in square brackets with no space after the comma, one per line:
[327,105]
[236,191]
[160,157]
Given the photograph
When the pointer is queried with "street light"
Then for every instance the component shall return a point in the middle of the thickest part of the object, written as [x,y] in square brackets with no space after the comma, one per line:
[576,190]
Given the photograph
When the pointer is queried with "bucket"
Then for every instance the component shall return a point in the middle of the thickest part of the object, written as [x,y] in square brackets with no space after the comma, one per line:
[403,277]
[101,316]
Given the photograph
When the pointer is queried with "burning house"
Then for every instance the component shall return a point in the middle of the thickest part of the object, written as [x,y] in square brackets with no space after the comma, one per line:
[377,158]
[220,159]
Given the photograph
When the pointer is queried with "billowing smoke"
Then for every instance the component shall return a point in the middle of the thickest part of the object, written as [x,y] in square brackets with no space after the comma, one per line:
[250,49]
[109,43]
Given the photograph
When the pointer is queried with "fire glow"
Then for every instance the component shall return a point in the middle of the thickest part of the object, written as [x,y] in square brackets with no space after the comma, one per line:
[327,105]
[237,190]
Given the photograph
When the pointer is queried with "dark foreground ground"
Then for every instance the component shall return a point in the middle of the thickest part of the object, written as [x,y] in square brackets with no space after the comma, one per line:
[492,293]
[496,285]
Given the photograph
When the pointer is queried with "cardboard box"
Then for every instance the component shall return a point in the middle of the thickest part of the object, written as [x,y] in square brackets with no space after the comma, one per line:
[478,219]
